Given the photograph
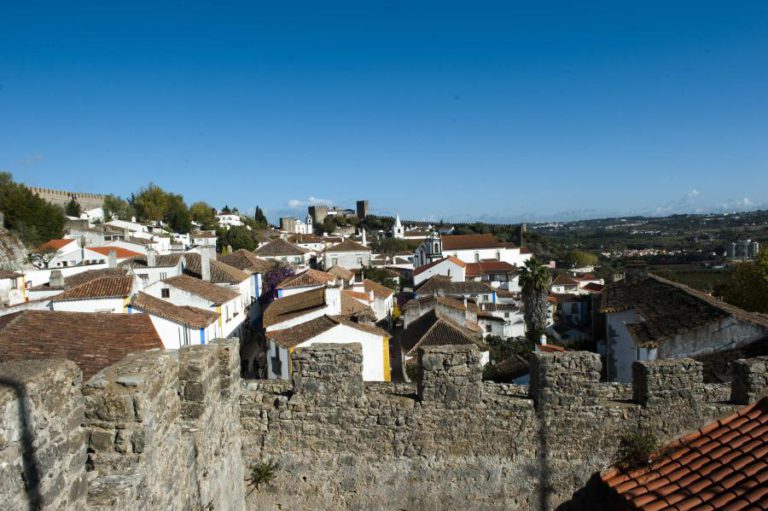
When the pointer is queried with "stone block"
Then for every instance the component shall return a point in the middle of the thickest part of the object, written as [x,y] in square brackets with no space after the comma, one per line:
[750,380]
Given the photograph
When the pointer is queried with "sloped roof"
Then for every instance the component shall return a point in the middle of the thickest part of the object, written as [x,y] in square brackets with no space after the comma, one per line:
[440,283]
[352,308]
[193,317]
[211,292]
[278,248]
[8,274]
[247,261]
[454,260]
[91,340]
[221,273]
[87,276]
[341,272]
[434,329]
[161,261]
[668,308]
[379,290]
[120,252]
[478,269]
[470,241]
[293,306]
[308,278]
[348,245]
[720,466]
[98,288]
[56,244]
[565,280]
[291,337]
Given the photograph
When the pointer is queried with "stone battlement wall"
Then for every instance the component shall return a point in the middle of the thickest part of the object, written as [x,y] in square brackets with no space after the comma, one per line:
[180,430]
[61,197]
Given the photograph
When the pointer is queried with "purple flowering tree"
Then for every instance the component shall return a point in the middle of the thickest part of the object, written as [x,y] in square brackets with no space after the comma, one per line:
[272,279]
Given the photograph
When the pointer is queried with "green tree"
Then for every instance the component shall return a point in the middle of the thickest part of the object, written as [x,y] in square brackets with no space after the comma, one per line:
[390,246]
[237,237]
[117,208]
[382,276]
[748,286]
[203,214]
[177,214]
[328,225]
[73,208]
[151,203]
[534,280]
[579,259]
[261,219]
[30,217]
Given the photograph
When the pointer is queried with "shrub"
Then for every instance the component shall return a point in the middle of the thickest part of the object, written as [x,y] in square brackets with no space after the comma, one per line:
[261,473]
[635,450]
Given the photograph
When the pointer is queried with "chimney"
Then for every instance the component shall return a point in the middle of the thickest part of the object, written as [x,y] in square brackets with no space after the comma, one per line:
[365,242]
[370,296]
[112,259]
[543,340]
[56,279]
[151,258]
[333,300]
[205,263]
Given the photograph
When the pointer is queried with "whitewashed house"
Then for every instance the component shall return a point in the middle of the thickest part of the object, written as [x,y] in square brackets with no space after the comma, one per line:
[189,291]
[327,329]
[283,251]
[13,289]
[347,254]
[305,281]
[95,255]
[470,248]
[65,252]
[227,220]
[177,325]
[204,238]
[451,267]
[110,293]
[650,318]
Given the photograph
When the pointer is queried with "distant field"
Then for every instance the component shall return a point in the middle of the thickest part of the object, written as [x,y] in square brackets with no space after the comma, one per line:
[696,277]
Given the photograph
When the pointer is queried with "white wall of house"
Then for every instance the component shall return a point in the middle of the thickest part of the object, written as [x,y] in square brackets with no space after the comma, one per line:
[153,274]
[622,351]
[282,293]
[348,260]
[133,247]
[509,255]
[112,305]
[69,255]
[128,226]
[446,268]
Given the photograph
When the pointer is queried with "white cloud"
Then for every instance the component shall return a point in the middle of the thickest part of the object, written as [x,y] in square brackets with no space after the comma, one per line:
[312,201]
[30,160]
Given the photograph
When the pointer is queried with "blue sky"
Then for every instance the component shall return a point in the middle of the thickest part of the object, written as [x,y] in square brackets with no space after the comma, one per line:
[457,110]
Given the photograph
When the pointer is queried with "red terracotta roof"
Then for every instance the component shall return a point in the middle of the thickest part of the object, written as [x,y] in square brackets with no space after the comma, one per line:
[121,253]
[478,269]
[90,339]
[565,280]
[341,272]
[293,336]
[204,289]
[593,287]
[102,287]
[55,244]
[348,245]
[193,317]
[309,278]
[722,466]
[470,241]
[454,260]
[379,290]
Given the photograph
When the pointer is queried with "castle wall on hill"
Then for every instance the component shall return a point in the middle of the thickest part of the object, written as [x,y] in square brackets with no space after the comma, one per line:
[180,430]
[61,198]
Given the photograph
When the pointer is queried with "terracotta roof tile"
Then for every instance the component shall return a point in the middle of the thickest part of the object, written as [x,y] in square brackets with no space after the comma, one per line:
[102,287]
[440,283]
[221,273]
[712,468]
[341,272]
[434,329]
[57,244]
[278,248]
[120,252]
[669,308]
[247,261]
[211,292]
[308,278]
[87,276]
[291,337]
[470,241]
[379,290]
[91,340]
[193,317]
[8,274]
[293,306]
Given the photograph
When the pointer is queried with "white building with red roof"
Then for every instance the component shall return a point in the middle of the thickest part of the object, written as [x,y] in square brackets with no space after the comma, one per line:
[450,266]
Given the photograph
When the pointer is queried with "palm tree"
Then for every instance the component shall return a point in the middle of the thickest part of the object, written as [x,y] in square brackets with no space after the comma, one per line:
[535,279]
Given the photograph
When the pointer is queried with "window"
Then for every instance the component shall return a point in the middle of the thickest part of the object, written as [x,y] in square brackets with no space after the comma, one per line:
[334,261]
[498,255]
[488,328]
[506,314]
[437,248]
[163,275]
[360,261]
[165,292]
[477,257]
